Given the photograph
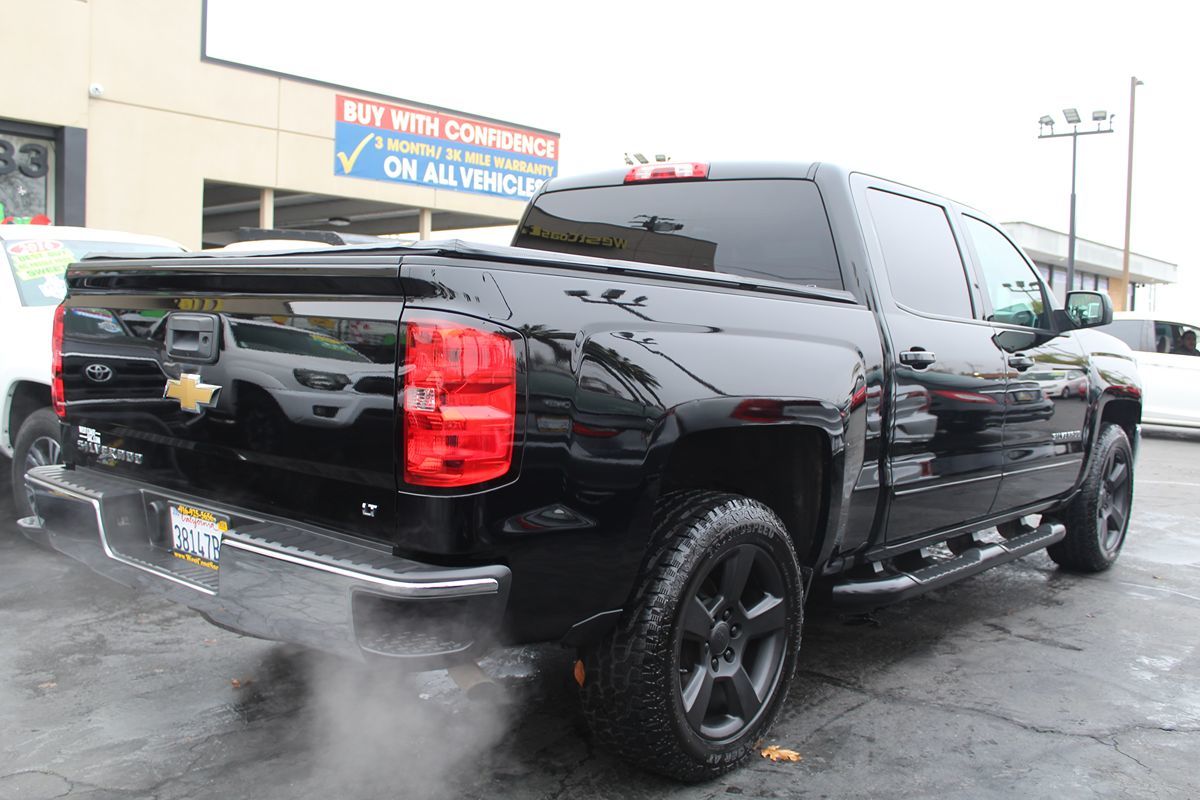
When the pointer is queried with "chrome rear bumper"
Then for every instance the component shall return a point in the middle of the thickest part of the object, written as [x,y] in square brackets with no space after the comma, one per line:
[278,579]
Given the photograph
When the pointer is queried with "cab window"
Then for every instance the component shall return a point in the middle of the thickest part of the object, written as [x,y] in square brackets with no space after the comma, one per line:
[1014,288]
[1175,338]
[920,254]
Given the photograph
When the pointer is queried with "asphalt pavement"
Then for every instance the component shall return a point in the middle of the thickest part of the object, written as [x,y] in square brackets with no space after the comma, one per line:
[1020,682]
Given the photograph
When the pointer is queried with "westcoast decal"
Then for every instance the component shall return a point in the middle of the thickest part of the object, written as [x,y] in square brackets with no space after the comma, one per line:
[575,238]
[387,142]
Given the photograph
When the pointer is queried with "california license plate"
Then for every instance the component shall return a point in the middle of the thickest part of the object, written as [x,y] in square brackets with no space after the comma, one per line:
[196,535]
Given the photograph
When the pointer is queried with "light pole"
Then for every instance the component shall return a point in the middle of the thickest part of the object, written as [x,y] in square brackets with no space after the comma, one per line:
[1071,115]
[1121,298]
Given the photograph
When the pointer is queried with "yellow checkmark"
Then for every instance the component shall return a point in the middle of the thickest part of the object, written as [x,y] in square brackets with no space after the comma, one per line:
[348,163]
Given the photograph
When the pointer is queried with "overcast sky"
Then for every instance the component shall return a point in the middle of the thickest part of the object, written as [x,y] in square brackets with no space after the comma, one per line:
[943,96]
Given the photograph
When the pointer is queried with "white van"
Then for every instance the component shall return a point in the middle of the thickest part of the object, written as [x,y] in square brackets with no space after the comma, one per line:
[1170,375]
[35,258]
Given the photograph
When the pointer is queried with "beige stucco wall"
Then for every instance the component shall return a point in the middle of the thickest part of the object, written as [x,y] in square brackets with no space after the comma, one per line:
[167,121]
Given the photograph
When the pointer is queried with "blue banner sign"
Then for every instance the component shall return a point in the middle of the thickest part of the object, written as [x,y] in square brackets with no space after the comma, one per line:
[399,144]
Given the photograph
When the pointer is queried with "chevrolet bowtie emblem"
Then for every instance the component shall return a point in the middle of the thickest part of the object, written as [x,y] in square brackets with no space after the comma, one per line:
[191,393]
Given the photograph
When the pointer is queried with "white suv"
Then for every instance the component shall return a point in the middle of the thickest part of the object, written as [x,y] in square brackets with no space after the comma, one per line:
[1165,348]
[35,258]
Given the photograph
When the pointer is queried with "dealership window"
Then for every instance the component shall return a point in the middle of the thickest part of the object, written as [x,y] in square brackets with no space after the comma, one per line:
[26,177]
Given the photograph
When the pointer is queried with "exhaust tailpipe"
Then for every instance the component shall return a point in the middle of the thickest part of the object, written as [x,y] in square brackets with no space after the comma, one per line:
[474,682]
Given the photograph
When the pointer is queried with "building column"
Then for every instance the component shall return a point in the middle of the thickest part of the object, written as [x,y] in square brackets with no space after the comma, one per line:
[425,224]
[266,209]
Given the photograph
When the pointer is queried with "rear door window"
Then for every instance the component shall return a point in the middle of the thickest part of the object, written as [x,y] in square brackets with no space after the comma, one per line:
[1132,333]
[923,262]
[772,229]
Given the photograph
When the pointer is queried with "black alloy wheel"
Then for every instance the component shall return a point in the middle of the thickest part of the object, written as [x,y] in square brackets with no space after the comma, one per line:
[1116,499]
[698,666]
[731,648]
[1097,519]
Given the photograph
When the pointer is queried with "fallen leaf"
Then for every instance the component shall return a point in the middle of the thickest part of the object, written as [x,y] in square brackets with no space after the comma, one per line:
[209,641]
[48,685]
[240,683]
[777,753]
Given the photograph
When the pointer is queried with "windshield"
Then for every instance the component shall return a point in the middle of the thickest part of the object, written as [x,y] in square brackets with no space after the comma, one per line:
[39,266]
[774,229]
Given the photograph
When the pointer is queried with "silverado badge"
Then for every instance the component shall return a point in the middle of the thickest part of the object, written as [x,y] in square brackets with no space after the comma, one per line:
[191,393]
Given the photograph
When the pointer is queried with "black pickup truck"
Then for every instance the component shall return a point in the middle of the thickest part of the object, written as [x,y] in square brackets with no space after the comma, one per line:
[687,393]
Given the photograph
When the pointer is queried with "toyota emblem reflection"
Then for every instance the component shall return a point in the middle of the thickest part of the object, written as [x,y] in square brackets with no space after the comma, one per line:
[98,373]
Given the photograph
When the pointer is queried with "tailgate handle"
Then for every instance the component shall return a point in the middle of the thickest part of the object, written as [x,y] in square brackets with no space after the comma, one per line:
[192,337]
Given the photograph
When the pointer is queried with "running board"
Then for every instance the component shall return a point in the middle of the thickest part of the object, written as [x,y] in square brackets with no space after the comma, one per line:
[895,587]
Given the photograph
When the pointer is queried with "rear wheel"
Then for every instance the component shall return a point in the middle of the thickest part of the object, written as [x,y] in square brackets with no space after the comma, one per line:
[1098,517]
[38,443]
[696,670]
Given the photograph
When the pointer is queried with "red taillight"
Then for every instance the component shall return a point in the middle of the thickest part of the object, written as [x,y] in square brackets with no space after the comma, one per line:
[57,396]
[691,170]
[460,403]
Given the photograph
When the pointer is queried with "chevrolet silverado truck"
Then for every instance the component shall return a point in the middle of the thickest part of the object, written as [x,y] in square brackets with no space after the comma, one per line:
[687,392]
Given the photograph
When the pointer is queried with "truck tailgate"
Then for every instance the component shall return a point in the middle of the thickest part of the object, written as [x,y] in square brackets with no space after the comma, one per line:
[260,382]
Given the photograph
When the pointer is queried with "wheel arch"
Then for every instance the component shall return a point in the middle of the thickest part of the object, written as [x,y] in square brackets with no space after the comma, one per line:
[788,467]
[24,397]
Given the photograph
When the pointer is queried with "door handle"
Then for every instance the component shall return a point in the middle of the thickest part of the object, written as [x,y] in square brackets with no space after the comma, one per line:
[917,358]
[1020,362]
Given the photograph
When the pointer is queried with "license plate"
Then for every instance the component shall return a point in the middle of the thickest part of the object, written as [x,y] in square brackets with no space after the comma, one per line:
[196,535]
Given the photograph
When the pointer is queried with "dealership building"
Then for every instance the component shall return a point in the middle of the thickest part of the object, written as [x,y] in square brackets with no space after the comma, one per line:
[131,125]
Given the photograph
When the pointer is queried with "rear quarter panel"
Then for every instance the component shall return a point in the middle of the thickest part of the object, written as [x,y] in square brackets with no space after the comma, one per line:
[619,369]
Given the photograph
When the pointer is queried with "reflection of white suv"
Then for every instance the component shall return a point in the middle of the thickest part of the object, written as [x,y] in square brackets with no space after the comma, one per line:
[1170,372]
[33,261]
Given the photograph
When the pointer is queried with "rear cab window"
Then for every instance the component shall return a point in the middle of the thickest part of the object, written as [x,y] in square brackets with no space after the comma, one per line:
[767,229]
[1131,332]
[39,266]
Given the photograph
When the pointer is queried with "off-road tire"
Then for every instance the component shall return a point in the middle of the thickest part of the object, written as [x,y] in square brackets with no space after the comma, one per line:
[633,689]
[1097,520]
[37,431]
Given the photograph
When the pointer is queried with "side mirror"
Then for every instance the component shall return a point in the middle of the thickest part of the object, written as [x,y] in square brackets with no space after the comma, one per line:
[1089,309]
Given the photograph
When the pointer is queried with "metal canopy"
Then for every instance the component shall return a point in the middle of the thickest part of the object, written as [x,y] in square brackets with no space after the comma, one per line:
[228,207]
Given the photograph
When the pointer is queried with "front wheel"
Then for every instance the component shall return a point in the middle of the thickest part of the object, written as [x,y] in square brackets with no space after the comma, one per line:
[1098,518]
[696,670]
[38,443]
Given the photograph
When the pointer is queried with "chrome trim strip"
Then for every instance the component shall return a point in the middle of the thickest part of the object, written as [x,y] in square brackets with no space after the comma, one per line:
[108,551]
[114,401]
[920,489]
[1072,463]
[111,357]
[463,586]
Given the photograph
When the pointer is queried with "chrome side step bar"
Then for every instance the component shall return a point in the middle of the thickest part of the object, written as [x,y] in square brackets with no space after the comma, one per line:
[892,588]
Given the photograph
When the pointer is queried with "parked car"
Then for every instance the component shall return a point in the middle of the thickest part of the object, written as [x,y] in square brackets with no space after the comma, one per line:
[1060,383]
[686,392]
[36,257]
[1171,375]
